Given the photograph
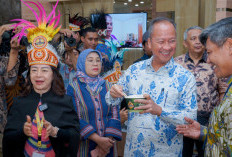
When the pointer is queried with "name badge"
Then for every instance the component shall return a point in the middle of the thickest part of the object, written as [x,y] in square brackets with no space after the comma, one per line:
[37,154]
[43,107]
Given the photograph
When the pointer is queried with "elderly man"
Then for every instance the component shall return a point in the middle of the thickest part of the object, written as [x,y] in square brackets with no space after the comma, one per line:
[218,135]
[169,91]
[210,89]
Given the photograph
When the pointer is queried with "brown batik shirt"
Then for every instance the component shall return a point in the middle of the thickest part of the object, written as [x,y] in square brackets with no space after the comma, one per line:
[208,85]
[6,79]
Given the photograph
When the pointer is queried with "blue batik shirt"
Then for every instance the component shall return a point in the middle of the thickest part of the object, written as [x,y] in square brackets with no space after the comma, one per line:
[67,74]
[173,88]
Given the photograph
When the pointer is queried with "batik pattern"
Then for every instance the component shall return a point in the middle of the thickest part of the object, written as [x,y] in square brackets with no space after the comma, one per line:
[174,89]
[218,135]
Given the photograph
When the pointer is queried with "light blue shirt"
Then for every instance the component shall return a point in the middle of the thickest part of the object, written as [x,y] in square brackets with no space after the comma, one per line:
[174,89]
[67,74]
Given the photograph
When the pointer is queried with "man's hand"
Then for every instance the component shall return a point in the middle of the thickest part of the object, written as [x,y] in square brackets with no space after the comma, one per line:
[149,106]
[116,91]
[67,32]
[191,130]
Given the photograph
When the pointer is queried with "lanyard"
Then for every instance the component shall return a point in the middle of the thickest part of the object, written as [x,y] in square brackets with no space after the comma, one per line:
[39,127]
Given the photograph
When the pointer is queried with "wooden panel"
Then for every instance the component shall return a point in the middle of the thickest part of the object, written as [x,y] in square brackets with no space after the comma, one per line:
[185,16]
[165,5]
[131,55]
[207,12]
[84,9]
[210,12]
[9,10]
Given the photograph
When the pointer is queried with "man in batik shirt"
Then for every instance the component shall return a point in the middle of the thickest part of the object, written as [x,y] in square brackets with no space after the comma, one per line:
[210,89]
[218,135]
[170,95]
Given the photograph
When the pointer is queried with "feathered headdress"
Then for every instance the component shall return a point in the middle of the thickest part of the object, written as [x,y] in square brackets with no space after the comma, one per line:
[40,51]
[78,23]
[98,21]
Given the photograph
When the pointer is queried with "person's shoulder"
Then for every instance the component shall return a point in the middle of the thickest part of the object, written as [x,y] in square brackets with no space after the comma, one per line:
[140,63]
[138,67]
[180,59]
[24,98]
[181,70]
[21,102]
[63,100]
[66,97]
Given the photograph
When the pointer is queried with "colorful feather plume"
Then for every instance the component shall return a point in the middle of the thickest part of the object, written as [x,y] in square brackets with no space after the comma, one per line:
[47,25]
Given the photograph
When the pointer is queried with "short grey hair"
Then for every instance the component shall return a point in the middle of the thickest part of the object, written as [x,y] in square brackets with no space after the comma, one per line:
[218,32]
[157,20]
[190,28]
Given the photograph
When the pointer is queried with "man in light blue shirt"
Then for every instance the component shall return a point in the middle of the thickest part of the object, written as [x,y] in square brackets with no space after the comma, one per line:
[170,92]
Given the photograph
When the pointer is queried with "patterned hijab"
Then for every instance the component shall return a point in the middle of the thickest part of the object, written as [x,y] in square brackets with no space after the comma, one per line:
[94,83]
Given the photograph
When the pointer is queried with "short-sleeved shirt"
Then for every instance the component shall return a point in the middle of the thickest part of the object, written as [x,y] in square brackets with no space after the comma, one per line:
[209,87]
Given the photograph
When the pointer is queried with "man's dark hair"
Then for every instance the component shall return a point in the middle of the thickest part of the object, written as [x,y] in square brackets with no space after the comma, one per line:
[218,32]
[88,29]
[57,83]
[157,20]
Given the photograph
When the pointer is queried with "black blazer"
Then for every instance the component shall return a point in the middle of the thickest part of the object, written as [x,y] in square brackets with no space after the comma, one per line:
[60,113]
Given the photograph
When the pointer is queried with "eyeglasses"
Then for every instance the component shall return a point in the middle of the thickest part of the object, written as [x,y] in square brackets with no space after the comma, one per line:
[91,61]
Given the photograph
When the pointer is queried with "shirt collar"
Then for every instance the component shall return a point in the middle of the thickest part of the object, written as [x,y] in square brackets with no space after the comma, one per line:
[169,65]
[229,81]
[203,59]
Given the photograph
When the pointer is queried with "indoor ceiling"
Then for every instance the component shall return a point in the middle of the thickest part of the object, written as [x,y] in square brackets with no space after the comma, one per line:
[132,5]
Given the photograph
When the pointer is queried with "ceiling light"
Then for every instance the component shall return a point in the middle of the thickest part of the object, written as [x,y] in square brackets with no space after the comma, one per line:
[114,2]
[129,0]
[141,2]
[136,5]
[125,3]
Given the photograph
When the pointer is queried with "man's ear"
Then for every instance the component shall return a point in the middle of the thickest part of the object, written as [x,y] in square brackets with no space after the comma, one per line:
[82,38]
[229,45]
[185,44]
[149,43]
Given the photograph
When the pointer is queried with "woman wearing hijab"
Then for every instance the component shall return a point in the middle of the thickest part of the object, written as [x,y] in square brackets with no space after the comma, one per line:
[99,123]
[42,122]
